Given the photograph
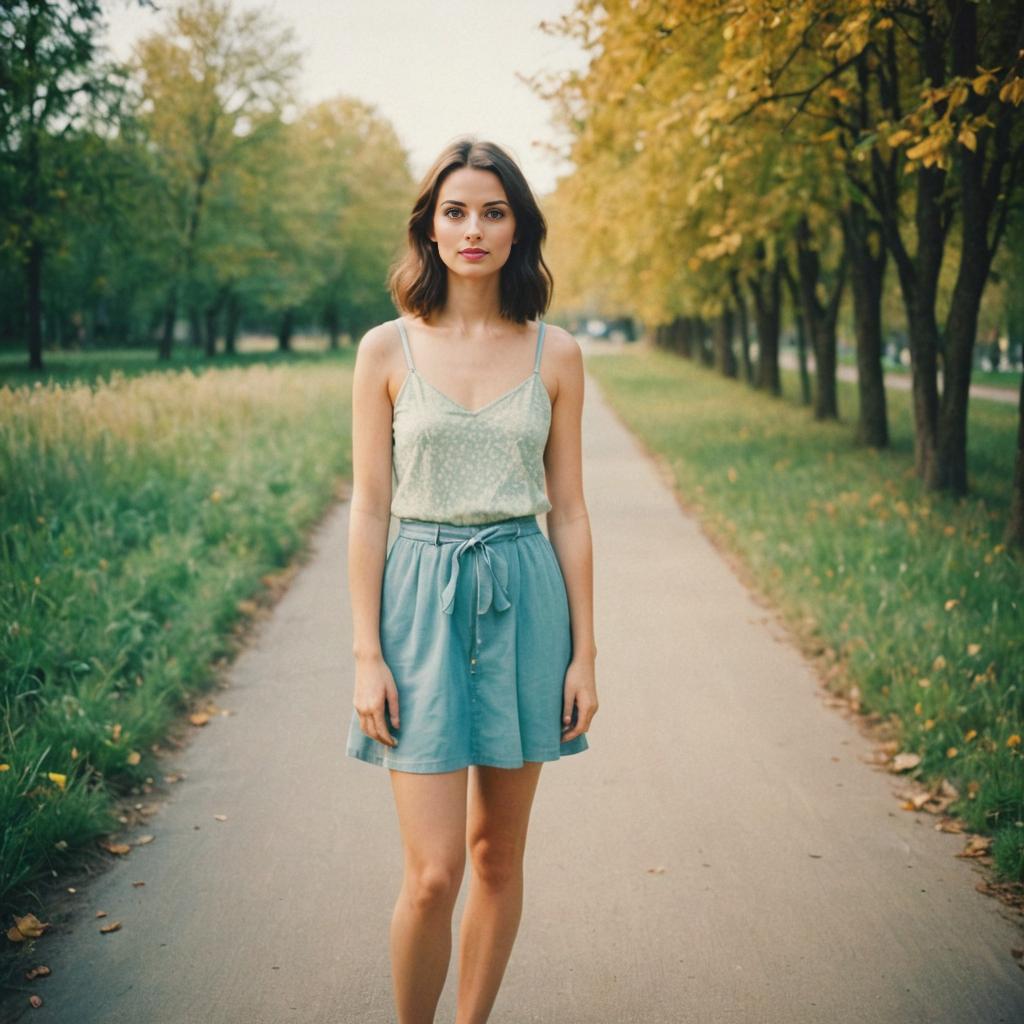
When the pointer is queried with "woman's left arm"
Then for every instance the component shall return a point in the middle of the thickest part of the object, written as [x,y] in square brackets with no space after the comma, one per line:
[568,527]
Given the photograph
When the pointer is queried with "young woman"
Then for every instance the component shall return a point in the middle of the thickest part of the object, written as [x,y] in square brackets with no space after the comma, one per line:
[473,636]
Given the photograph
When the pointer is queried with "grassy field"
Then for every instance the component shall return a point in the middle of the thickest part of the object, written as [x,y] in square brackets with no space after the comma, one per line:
[140,516]
[914,593]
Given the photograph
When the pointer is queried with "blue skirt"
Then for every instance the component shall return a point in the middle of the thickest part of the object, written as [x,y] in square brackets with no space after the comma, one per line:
[474,626]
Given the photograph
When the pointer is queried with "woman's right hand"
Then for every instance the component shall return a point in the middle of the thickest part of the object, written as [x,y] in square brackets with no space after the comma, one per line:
[375,685]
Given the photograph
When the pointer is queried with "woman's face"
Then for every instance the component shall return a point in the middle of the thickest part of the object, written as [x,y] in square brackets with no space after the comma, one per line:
[474,226]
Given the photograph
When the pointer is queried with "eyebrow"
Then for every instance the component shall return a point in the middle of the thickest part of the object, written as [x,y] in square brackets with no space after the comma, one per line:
[490,202]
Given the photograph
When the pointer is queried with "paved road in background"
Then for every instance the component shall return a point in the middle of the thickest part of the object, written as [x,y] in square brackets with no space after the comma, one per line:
[901,381]
[722,854]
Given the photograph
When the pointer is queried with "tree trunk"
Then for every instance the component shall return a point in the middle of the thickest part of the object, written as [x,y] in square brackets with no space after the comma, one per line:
[170,319]
[685,336]
[744,321]
[765,290]
[34,286]
[982,184]
[333,323]
[195,328]
[231,323]
[918,273]
[867,258]
[707,350]
[820,320]
[284,332]
[34,260]
[801,334]
[725,358]
[210,317]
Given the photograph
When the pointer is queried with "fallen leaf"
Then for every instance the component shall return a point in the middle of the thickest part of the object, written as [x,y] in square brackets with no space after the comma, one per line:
[977,846]
[903,762]
[112,927]
[27,927]
[39,971]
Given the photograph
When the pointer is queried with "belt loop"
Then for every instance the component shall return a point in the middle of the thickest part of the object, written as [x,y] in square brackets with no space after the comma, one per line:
[519,530]
[437,534]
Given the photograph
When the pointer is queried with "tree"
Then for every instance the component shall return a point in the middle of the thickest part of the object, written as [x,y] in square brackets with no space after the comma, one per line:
[50,86]
[212,84]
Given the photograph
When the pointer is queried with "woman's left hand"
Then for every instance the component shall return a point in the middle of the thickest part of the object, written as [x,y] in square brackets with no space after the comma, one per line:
[581,690]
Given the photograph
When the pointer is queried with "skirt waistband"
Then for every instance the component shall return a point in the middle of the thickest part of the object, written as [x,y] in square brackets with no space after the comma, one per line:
[492,572]
[450,533]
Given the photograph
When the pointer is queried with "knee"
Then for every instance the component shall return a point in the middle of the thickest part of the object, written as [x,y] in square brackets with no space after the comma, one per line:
[496,862]
[434,885]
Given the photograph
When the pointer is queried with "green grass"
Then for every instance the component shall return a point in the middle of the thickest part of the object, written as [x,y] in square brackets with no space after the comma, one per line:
[138,513]
[67,366]
[914,593]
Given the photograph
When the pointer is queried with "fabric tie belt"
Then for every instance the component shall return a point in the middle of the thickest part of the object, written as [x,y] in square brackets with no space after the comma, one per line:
[492,572]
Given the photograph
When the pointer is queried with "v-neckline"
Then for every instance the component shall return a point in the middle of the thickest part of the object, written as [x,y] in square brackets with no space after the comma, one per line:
[483,408]
[458,405]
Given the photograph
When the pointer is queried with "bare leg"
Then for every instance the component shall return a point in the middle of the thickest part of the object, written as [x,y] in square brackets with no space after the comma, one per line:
[499,812]
[432,821]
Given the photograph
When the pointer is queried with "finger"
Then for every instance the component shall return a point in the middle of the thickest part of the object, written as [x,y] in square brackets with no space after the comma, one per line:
[574,731]
[366,724]
[392,692]
[567,702]
[585,714]
[369,726]
[382,729]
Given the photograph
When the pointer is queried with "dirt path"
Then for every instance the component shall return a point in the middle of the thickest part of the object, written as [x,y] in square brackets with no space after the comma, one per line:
[721,855]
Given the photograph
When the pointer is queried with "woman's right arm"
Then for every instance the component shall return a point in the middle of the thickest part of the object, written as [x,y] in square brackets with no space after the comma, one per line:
[369,519]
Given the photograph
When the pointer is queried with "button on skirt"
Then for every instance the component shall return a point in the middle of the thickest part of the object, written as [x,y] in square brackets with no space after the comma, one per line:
[474,625]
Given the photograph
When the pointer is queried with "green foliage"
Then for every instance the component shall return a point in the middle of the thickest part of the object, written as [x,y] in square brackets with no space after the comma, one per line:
[136,515]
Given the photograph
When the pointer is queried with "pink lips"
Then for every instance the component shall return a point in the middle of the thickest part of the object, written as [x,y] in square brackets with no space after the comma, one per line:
[473,254]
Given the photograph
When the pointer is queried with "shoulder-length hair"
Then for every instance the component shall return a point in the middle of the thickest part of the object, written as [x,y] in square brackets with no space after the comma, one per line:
[419,279]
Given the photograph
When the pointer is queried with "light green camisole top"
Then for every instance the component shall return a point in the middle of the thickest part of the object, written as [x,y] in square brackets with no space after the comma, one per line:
[457,465]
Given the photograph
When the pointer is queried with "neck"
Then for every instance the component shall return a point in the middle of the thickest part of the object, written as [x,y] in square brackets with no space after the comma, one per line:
[471,304]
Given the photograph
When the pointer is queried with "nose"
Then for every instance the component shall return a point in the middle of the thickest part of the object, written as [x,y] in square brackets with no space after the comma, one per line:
[472,226]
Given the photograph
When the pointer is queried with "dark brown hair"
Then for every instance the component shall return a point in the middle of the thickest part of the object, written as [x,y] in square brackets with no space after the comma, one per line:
[419,279]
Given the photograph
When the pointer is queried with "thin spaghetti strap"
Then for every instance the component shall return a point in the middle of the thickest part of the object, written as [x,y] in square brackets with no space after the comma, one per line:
[405,344]
[540,345]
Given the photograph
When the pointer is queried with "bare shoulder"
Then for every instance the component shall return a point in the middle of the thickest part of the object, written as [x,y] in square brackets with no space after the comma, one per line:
[564,352]
[379,343]
[379,359]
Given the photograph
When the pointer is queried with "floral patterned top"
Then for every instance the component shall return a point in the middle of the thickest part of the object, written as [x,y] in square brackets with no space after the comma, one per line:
[457,465]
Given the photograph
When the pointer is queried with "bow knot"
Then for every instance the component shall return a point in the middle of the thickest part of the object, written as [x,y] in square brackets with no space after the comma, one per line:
[491,574]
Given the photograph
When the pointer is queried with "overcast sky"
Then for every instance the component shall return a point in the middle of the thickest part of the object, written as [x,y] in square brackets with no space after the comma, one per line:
[434,70]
